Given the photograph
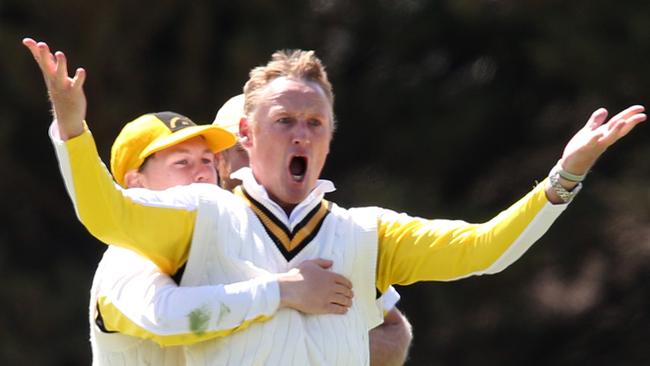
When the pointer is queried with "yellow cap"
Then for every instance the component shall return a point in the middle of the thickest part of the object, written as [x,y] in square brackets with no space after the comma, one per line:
[157,131]
[230,113]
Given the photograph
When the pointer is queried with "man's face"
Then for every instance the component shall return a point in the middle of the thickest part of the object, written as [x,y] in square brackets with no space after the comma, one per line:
[188,162]
[229,161]
[288,139]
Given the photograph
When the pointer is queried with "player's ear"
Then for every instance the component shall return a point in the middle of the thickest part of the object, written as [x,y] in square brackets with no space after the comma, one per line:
[245,133]
[133,179]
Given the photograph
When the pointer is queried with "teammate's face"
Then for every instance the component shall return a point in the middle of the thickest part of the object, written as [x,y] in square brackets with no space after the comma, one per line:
[188,162]
[288,138]
[229,161]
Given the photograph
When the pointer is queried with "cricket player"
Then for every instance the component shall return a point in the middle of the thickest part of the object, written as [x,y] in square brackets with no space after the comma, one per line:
[389,341]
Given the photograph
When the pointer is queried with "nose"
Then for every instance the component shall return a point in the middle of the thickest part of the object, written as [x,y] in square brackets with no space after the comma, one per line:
[301,134]
[204,173]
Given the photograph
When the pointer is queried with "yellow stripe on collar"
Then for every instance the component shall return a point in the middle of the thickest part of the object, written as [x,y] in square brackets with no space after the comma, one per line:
[289,242]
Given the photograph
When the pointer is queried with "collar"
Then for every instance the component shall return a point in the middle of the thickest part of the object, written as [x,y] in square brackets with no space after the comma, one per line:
[255,190]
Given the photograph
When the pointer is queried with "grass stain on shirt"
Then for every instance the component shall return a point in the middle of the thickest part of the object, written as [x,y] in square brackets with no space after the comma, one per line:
[199,319]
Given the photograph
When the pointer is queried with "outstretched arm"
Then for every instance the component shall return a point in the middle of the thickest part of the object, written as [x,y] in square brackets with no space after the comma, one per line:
[390,341]
[413,249]
[588,144]
[101,206]
[66,93]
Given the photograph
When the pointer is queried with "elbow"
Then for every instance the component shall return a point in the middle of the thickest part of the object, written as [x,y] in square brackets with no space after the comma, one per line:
[161,312]
[98,225]
[404,333]
[390,342]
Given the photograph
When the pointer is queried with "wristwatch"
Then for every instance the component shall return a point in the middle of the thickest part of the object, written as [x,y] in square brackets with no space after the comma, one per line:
[563,193]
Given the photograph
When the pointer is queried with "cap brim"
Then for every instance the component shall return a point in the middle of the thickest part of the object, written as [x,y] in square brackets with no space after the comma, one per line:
[216,137]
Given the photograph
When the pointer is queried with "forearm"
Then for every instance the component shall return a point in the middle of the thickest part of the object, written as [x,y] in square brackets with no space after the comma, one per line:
[174,315]
[135,298]
[413,249]
[390,341]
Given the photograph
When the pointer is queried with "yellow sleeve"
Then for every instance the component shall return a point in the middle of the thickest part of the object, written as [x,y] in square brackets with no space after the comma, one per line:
[414,249]
[161,234]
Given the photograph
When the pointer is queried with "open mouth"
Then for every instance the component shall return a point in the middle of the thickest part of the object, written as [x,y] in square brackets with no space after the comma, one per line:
[298,168]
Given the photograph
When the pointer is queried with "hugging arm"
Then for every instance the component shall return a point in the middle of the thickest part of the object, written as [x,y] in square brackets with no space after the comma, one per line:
[135,298]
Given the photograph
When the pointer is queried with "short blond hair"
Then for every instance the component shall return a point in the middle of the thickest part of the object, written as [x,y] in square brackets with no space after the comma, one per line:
[295,64]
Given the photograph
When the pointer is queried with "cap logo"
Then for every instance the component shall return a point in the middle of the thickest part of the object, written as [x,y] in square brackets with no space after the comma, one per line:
[174,121]
[178,122]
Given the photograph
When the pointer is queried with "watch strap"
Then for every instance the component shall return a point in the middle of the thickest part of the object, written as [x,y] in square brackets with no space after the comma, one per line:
[563,193]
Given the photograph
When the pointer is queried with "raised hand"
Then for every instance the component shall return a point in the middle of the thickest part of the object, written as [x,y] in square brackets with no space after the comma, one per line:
[66,93]
[596,136]
[311,288]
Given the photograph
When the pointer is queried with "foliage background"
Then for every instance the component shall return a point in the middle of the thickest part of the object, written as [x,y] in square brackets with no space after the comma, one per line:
[446,109]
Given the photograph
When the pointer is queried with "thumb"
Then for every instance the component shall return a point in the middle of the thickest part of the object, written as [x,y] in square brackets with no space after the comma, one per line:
[323,263]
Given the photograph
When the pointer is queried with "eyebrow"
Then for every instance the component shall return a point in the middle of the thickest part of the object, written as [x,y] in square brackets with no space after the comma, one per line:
[187,151]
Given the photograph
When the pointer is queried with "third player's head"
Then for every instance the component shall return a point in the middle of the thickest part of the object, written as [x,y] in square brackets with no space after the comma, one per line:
[232,159]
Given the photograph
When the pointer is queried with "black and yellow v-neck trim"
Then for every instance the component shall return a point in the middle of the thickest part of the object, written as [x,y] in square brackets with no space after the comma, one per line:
[290,243]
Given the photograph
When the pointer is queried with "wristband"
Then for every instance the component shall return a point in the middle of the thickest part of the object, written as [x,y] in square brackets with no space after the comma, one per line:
[570,176]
